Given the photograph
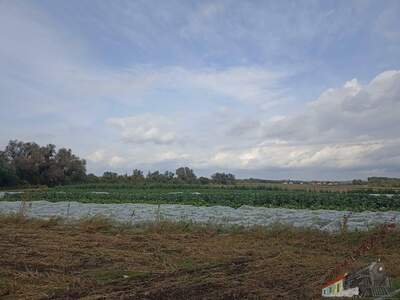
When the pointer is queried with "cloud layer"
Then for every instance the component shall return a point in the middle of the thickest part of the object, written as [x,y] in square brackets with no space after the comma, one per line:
[145,128]
[354,127]
[252,88]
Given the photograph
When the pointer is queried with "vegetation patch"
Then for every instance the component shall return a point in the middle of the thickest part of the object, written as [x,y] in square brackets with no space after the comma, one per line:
[171,261]
[233,196]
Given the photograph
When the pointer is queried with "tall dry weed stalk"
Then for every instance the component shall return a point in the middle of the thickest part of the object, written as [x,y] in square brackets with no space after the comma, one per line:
[344,225]
[68,208]
[21,215]
[158,213]
[132,216]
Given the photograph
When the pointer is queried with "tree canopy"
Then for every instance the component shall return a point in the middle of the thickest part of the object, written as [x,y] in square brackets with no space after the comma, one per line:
[223,178]
[185,174]
[31,163]
[24,163]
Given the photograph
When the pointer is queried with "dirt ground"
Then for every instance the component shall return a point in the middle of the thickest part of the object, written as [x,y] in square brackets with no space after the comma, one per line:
[94,259]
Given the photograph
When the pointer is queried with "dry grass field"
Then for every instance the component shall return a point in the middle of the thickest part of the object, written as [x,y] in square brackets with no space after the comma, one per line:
[333,188]
[94,259]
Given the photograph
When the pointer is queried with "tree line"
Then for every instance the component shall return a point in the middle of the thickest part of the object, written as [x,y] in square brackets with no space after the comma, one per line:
[181,175]
[28,163]
[31,164]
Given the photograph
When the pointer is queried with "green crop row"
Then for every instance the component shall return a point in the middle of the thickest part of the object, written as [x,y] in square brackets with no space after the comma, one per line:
[233,197]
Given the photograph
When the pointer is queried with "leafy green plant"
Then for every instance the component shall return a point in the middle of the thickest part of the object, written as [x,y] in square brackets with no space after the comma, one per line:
[209,195]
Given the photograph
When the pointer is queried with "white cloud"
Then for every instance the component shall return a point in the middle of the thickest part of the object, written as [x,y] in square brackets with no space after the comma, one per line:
[106,157]
[145,128]
[246,84]
[96,156]
[353,126]
[278,155]
[116,160]
[146,156]
[250,84]
[352,112]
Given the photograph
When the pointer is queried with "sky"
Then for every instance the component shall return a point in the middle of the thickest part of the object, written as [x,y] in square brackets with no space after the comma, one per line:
[266,89]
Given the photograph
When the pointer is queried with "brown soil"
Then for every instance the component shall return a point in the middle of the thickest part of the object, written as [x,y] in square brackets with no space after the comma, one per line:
[96,260]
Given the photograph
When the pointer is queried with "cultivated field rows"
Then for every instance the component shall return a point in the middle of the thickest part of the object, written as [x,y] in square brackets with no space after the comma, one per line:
[330,220]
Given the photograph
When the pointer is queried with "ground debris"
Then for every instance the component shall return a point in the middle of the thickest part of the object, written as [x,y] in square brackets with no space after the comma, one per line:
[171,261]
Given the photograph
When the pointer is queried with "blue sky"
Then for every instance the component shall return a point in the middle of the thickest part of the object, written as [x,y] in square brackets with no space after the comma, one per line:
[273,89]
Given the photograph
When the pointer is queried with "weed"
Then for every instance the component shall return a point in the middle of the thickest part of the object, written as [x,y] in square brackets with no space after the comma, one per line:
[95,223]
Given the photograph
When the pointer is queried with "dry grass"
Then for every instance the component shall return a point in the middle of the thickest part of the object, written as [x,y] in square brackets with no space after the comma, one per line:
[96,259]
[332,188]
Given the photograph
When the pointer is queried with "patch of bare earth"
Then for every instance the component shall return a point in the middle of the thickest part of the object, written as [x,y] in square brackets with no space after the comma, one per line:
[97,260]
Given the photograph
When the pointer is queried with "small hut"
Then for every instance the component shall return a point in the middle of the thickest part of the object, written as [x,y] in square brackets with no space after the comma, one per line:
[336,288]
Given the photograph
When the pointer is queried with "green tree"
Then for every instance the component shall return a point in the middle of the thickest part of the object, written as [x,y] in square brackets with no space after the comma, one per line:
[223,178]
[26,159]
[168,176]
[137,176]
[69,167]
[110,176]
[8,177]
[185,174]
[92,178]
[204,180]
[43,165]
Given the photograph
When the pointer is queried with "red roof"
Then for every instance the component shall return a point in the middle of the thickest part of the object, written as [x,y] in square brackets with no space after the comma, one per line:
[334,280]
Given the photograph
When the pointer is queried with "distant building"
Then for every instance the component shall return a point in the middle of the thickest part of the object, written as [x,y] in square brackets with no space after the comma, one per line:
[370,281]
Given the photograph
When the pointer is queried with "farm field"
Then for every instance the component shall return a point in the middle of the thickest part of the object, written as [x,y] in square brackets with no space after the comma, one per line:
[208,195]
[139,213]
[101,260]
